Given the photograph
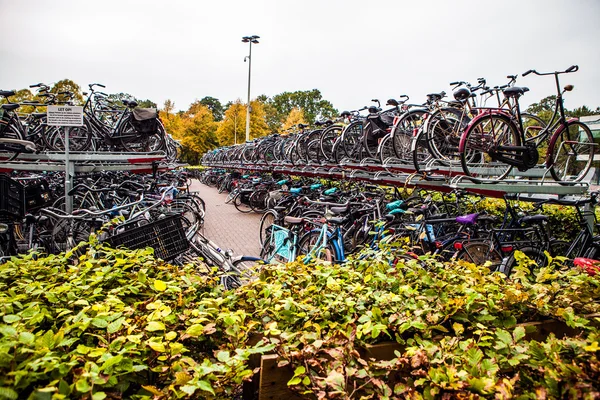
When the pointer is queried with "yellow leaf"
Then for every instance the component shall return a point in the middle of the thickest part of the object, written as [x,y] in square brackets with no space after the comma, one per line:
[160,285]
[157,346]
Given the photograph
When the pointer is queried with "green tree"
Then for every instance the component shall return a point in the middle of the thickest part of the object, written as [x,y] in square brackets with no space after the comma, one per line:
[545,108]
[584,111]
[119,97]
[310,101]
[272,117]
[215,106]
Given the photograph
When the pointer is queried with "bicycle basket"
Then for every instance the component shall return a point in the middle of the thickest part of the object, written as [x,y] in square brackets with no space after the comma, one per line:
[12,199]
[166,236]
[283,245]
[37,195]
[145,120]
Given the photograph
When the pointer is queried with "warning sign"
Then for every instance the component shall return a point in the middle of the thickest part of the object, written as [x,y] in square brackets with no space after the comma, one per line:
[65,115]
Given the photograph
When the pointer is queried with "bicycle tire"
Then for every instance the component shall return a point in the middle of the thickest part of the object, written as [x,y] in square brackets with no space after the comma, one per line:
[403,132]
[444,129]
[385,151]
[241,273]
[481,138]
[328,139]
[572,164]
[308,242]
[536,255]
[241,205]
[258,201]
[479,252]
[267,219]
[352,139]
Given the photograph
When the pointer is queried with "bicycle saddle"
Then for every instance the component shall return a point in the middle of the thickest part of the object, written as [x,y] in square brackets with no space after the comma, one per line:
[293,220]
[10,107]
[436,96]
[515,91]
[345,114]
[6,93]
[338,210]
[533,218]
[468,219]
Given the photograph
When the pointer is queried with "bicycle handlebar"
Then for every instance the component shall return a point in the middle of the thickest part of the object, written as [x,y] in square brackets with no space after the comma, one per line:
[572,68]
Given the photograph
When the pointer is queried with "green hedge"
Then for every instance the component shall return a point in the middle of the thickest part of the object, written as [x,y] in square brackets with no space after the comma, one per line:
[122,324]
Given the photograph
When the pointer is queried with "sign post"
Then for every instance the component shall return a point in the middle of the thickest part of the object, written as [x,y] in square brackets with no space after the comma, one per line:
[65,117]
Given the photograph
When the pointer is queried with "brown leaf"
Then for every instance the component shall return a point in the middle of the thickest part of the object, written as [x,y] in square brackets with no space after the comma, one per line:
[210,329]
[420,358]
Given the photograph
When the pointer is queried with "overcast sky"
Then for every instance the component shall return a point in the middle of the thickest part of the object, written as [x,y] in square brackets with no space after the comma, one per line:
[351,50]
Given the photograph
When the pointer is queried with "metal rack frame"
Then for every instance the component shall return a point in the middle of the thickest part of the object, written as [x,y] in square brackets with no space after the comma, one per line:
[81,162]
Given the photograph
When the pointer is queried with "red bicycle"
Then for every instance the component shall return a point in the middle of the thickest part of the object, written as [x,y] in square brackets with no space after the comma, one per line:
[495,141]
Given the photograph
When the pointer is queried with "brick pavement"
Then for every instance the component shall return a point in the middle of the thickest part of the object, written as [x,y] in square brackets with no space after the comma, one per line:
[226,226]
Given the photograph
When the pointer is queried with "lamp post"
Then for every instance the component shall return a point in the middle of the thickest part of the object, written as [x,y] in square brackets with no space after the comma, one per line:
[249,39]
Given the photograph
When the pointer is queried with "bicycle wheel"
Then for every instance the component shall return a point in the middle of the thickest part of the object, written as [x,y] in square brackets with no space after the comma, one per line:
[369,139]
[310,246]
[479,253]
[536,255]
[480,144]
[242,203]
[313,151]
[385,151]
[266,221]
[242,271]
[571,152]
[258,200]
[327,140]
[420,151]
[231,196]
[80,137]
[444,129]
[403,132]
[351,139]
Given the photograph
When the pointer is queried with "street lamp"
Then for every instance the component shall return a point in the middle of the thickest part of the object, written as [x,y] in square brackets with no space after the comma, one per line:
[249,39]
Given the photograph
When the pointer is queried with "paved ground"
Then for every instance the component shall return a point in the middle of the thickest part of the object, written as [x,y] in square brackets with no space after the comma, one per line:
[226,226]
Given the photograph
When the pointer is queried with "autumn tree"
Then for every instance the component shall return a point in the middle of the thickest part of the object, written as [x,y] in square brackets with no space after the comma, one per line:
[195,129]
[232,129]
[258,123]
[272,117]
[67,85]
[295,117]
[19,97]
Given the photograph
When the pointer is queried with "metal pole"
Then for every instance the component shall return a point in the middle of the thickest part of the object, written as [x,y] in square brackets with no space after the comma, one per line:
[248,104]
[69,167]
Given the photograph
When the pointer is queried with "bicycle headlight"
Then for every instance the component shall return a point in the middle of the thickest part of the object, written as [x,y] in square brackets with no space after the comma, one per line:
[3,228]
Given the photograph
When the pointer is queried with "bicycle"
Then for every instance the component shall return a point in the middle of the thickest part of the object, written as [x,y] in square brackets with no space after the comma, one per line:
[495,141]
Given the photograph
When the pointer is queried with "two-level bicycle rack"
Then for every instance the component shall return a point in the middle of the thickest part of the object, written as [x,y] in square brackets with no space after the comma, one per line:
[532,185]
[85,162]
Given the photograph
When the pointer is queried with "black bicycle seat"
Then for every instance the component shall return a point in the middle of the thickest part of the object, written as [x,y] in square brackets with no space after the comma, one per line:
[10,107]
[7,93]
